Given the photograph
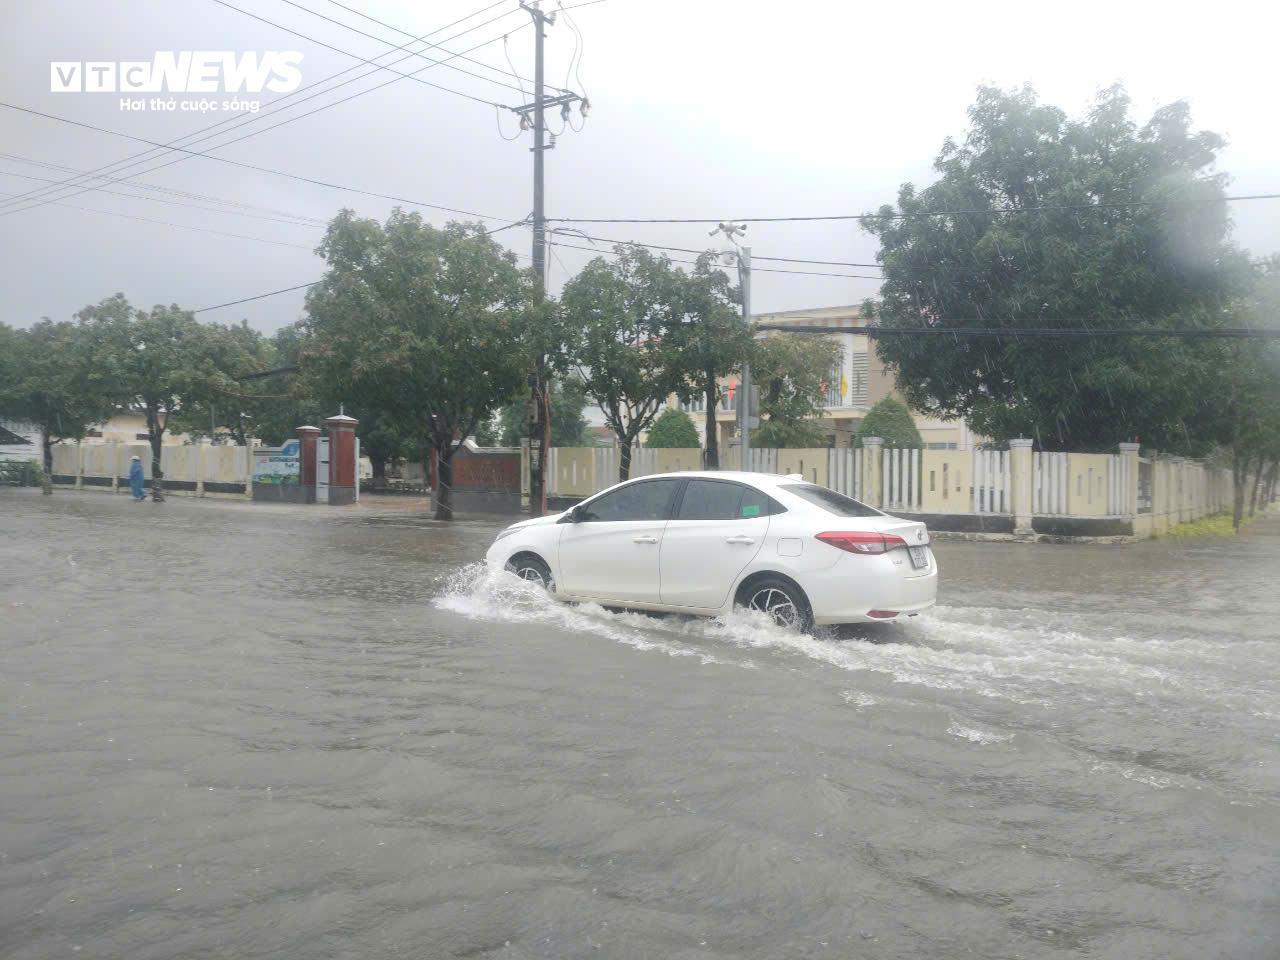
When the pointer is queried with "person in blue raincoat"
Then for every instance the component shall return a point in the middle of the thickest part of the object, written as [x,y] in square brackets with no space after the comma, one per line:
[137,482]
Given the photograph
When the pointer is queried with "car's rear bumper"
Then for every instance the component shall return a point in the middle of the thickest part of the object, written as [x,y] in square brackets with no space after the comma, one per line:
[857,585]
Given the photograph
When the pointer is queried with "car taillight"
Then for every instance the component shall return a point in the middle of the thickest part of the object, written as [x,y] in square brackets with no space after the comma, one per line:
[862,541]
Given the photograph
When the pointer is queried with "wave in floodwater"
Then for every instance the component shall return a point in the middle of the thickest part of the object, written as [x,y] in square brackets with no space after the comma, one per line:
[1022,656]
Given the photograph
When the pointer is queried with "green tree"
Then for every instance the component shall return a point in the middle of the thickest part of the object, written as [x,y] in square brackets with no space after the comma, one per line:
[623,323]
[428,326]
[229,408]
[673,428]
[162,362]
[714,340]
[1131,231]
[890,420]
[1239,390]
[568,425]
[50,375]
[790,370]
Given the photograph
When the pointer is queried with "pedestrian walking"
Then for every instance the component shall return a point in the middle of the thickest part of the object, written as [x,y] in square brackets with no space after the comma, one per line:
[137,482]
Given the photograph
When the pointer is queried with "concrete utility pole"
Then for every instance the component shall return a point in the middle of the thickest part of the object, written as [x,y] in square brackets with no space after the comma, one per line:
[540,418]
[732,232]
[744,414]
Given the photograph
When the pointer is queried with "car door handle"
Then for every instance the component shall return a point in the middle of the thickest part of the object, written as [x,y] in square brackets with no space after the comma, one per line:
[645,540]
[739,539]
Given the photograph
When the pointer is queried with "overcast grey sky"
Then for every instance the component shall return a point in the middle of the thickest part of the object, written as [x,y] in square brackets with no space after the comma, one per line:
[701,108]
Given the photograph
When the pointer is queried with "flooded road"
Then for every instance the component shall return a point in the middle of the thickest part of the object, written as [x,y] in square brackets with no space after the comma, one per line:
[254,731]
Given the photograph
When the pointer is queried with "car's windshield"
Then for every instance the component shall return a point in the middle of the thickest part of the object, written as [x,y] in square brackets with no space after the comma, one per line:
[829,500]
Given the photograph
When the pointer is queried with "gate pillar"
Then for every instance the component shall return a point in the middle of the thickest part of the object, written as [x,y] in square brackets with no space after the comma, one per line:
[342,459]
[307,462]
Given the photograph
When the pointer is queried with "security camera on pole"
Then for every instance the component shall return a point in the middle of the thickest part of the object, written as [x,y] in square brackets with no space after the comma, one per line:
[746,393]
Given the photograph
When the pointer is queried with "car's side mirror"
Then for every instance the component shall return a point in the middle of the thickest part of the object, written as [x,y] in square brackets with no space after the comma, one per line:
[574,515]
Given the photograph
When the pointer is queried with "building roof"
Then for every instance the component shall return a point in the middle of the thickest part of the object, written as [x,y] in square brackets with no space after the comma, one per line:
[848,316]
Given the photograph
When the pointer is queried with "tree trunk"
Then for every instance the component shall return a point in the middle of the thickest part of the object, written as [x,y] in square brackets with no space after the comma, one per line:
[155,436]
[1239,470]
[712,459]
[379,464]
[46,477]
[624,459]
[1272,472]
[444,483]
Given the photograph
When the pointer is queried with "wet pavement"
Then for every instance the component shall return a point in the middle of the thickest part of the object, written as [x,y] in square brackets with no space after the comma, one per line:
[247,731]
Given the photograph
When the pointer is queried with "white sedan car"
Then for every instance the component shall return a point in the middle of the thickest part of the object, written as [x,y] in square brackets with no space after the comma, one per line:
[701,543]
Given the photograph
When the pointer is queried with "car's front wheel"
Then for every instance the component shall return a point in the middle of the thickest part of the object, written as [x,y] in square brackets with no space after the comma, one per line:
[780,599]
[526,566]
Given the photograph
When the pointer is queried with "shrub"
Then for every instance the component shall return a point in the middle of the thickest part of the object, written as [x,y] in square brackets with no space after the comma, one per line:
[21,473]
[673,428]
[890,420]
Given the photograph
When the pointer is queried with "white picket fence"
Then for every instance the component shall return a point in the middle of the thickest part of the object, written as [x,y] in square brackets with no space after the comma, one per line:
[1104,482]
[844,471]
[900,477]
[992,491]
[1049,481]
[1118,480]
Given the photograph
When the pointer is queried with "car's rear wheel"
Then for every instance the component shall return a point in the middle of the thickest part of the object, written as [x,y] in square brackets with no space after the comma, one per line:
[780,599]
[529,567]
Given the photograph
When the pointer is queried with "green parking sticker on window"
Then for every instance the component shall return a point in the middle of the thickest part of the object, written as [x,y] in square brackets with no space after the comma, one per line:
[752,510]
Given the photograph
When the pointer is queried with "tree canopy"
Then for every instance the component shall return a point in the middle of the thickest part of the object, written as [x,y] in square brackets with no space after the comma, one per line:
[568,425]
[715,340]
[50,376]
[1130,231]
[791,370]
[162,362]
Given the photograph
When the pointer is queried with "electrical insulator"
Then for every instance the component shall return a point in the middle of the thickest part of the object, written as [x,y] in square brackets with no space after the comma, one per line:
[564,112]
[584,107]
[524,122]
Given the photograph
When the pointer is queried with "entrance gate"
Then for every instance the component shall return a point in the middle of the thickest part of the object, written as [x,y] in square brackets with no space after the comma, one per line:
[322,470]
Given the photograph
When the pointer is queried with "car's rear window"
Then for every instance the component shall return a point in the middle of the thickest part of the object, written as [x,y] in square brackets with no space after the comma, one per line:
[829,500]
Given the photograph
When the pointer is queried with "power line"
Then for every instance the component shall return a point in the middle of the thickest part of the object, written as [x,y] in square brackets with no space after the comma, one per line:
[348,53]
[305,219]
[388,43]
[754,256]
[260,296]
[807,273]
[279,105]
[1015,333]
[405,33]
[303,286]
[252,166]
[180,226]
[993,211]
[294,119]
[179,203]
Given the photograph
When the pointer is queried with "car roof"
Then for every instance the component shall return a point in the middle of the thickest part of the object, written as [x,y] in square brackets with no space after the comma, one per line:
[770,480]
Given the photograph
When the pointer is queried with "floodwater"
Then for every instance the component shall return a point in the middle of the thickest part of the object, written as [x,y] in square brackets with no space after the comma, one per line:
[241,731]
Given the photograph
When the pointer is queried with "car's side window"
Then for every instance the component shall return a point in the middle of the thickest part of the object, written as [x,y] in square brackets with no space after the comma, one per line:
[646,500]
[754,503]
[711,500]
